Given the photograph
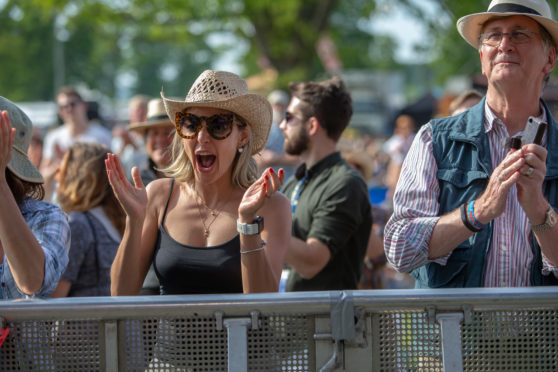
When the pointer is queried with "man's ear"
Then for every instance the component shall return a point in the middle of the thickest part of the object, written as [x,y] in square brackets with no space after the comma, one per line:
[314,125]
[551,61]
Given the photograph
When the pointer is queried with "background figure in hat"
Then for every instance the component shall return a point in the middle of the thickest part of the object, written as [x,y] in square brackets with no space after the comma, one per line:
[96,221]
[469,211]
[34,235]
[274,155]
[157,131]
[203,227]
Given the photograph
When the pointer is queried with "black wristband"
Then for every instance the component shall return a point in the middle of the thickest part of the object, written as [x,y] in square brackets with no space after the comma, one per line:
[465,220]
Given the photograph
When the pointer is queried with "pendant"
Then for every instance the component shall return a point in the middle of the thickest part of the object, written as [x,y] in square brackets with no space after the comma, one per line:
[213,213]
[206,233]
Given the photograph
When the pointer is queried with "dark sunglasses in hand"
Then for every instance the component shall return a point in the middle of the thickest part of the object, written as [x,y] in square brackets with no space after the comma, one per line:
[218,126]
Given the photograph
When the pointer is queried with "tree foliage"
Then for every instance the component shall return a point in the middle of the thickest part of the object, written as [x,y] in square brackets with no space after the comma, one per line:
[167,43]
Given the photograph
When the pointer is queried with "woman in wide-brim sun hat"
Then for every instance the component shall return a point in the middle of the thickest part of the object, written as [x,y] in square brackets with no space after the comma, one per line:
[203,227]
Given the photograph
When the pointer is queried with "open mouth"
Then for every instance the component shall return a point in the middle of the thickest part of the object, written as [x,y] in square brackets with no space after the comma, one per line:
[205,161]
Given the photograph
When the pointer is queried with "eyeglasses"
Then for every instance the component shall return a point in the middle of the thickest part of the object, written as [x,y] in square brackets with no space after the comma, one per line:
[218,126]
[494,38]
[68,105]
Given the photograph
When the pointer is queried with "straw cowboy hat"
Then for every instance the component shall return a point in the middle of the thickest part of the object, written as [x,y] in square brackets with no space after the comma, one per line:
[470,26]
[227,91]
[156,117]
[19,164]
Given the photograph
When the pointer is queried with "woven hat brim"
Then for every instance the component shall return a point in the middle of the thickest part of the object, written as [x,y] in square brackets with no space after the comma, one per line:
[21,166]
[470,26]
[253,108]
[142,127]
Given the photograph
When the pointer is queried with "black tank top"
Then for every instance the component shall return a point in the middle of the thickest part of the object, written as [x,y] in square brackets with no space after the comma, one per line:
[183,269]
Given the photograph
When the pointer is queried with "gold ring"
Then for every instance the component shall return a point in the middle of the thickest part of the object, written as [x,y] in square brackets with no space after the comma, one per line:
[529,171]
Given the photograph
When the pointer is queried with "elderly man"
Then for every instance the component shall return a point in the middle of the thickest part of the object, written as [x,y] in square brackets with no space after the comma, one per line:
[468,210]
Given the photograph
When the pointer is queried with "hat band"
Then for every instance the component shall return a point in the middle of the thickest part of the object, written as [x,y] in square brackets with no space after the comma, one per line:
[157,118]
[19,150]
[512,8]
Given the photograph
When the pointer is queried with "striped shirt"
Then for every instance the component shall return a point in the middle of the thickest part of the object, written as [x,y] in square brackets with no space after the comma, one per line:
[416,206]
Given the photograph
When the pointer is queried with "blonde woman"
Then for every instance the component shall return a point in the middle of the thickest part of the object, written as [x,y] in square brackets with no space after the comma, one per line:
[203,227]
[96,221]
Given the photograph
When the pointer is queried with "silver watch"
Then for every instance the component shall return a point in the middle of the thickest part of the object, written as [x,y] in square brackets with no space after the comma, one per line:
[253,228]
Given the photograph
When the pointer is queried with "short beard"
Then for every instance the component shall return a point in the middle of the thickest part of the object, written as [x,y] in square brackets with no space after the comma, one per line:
[298,143]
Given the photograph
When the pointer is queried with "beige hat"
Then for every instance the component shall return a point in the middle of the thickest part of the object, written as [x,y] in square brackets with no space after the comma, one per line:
[470,26]
[19,164]
[227,91]
[156,117]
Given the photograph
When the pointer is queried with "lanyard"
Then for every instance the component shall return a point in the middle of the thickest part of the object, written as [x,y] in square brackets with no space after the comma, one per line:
[296,193]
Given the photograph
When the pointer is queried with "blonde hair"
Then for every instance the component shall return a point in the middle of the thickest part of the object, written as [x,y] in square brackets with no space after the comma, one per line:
[244,168]
[84,183]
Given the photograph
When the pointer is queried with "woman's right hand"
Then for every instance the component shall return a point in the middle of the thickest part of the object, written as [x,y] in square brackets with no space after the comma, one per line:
[132,198]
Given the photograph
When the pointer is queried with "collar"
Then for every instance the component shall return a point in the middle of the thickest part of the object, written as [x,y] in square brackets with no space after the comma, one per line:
[324,163]
[490,118]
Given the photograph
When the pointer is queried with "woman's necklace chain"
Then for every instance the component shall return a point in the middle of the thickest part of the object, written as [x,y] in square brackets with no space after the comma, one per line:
[212,212]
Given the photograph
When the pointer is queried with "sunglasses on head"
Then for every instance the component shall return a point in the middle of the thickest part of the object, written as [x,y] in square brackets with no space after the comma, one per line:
[218,126]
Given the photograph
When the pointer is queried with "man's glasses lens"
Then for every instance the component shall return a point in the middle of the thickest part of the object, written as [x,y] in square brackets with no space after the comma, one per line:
[218,126]
[516,37]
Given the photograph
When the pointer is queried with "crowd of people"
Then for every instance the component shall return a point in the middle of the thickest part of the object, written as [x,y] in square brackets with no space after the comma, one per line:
[227,190]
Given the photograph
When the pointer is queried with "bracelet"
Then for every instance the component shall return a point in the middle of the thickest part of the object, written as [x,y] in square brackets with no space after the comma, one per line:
[465,220]
[471,216]
[255,249]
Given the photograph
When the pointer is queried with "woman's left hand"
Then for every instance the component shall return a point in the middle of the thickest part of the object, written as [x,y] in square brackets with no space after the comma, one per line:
[255,196]
[7,137]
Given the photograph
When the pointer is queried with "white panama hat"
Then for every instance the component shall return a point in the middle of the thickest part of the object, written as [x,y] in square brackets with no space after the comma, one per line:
[470,26]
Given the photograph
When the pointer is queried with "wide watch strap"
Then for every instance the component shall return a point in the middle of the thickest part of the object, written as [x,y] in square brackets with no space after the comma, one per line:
[549,222]
[253,228]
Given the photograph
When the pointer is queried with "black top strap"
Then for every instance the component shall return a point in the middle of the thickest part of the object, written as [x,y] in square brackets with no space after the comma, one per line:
[168,200]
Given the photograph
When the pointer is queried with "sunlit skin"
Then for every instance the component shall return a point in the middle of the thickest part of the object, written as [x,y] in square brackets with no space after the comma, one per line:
[157,145]
[294,131]
[188,212]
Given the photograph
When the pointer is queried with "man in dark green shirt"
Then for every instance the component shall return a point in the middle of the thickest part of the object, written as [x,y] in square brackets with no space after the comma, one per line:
[331,209]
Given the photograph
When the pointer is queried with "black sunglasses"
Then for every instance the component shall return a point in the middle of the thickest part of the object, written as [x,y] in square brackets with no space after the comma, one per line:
[218,126]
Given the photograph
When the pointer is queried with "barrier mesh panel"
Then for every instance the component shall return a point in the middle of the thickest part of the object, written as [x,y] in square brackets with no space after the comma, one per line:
[281,343]
[52,346]
[407,342]
[511,341]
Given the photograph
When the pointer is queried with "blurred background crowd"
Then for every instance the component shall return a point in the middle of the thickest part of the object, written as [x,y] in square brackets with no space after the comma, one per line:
[119,55]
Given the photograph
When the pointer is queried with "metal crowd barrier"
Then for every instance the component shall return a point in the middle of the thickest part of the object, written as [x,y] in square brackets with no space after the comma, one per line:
[383,330]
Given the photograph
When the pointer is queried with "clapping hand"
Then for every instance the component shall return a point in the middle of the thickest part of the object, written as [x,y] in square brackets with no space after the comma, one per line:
[132,198]
[255,196]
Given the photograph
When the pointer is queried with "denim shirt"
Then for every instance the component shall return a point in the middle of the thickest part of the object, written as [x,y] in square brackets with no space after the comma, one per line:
[462,154]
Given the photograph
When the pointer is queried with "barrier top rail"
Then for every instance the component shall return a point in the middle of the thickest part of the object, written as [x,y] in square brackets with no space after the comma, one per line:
[295,302]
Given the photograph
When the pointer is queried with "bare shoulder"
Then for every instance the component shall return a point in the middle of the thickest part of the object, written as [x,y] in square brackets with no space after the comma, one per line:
[158,192]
